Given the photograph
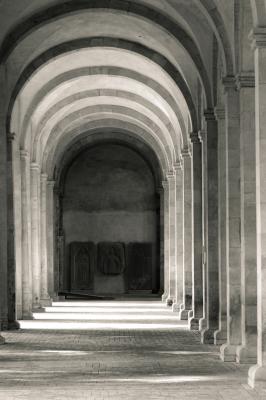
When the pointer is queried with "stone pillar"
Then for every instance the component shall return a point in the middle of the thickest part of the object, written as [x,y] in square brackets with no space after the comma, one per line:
[172,237]
[220,336]
[3,207]
[161,194]
[50,238]
[257,373]
[187,235]
[247,352]
[179,271]
[26,236]
[233,221]
[197,289]
[45,299]
[35,238]
[203,138]
[166,240]
[212,287]
[11,259]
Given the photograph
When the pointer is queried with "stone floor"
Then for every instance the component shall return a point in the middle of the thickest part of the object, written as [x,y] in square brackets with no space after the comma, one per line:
[115,350]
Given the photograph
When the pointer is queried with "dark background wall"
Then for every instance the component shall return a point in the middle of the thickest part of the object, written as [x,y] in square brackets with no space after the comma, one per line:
[109,196]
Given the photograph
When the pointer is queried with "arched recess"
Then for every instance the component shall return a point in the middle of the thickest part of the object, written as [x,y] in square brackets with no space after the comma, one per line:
[66,158]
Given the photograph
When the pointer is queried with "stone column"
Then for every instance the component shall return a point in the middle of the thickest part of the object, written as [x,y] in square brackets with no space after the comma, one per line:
[233,221]
[26,236]
[187,234]
[212,287]
[179,271]
[203,138]
[35,238]
[197,282]
[11,259]
[220,336]
[45,299]
[161,194]
[3,207]
[50,238]
[247,352]
[172,237]
[166,240]
[257,374]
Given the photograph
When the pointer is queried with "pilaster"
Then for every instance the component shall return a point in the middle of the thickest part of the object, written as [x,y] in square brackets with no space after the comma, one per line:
[45,298]
[166,239]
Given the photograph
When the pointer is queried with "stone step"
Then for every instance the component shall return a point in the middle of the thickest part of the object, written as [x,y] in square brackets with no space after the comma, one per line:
[102,316]
[102,325]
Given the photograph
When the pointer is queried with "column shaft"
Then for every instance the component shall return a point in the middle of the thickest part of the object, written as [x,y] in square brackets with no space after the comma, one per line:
[211,242]
[166,241]
[197,281]
[233,222]
[35,234]
[26,236]
[45,299]
[187,235]
[247,352]
[257,374]
[220,335]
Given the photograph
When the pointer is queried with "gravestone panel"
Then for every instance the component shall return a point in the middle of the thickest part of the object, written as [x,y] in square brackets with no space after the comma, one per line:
[139,260]
[111,258]
[82,256]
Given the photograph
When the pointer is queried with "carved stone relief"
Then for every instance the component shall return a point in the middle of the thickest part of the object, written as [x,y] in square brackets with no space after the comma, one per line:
[82,265]
[139,256]
[111,258]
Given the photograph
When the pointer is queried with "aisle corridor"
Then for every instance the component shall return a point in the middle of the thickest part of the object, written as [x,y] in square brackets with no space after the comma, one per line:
[115,350]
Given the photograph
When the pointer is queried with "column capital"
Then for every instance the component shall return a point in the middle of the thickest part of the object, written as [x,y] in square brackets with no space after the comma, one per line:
[170,176]
[202,135]
[194,137]
[24,154]
[245,80]
[209,114]
[258,38]
[34,166]
[11,136]
[51,183]
[219,112]
[185,152]
[229,82]
[165,185]
[44,177]
[178,166]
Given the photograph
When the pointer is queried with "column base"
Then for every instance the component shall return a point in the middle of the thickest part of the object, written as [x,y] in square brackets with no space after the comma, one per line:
[207,336]
[169,301]
[164,297]
[246,355]
[193,324]
[46,301]
[220,337]
[203,323]
[257,377]
[176,307]
[184,315]
[2,340]
[228,352]
[13,325]
[27,315]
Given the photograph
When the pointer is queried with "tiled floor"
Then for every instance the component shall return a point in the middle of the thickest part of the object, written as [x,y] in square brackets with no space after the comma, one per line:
[115,350]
